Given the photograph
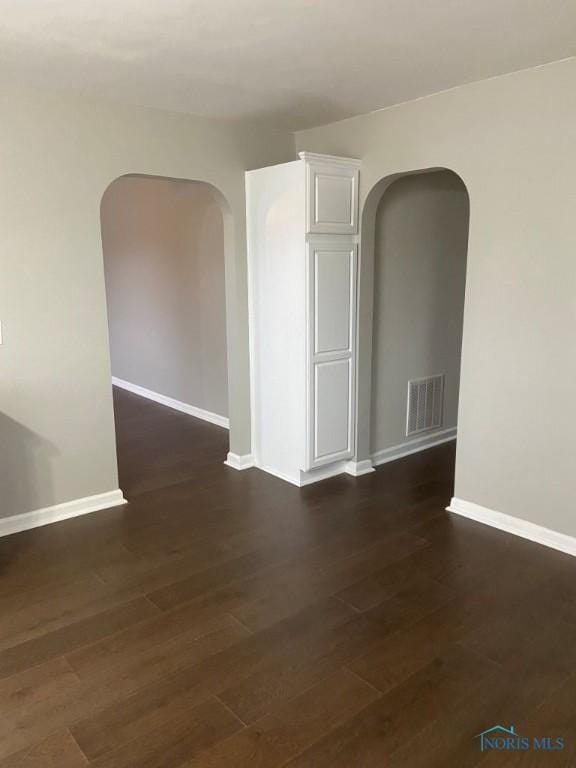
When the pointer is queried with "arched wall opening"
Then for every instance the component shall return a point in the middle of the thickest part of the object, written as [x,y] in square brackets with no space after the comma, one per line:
[164,244]
[413,272]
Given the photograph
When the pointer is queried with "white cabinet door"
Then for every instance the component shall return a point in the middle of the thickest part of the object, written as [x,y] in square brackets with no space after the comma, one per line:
[331,349]
[332,197]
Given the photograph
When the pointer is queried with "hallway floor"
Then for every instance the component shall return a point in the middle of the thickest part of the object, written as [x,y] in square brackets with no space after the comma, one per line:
[227,619]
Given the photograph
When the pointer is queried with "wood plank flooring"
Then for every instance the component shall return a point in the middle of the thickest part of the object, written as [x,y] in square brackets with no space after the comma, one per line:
[228,619]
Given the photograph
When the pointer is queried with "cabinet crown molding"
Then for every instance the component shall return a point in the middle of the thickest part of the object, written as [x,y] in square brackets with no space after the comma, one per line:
[314,157]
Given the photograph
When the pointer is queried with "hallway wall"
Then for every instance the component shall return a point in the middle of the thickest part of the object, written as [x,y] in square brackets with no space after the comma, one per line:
[163,244]
[420,274]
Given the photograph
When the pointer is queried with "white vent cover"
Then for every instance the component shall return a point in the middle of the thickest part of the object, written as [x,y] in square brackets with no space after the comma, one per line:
[425,404]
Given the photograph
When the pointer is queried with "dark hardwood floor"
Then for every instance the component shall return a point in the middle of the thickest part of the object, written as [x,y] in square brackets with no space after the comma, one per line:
[226,618]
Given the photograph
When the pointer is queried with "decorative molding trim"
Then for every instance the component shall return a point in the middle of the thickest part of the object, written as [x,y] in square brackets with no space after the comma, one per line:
[321,473]
[240,462]
[359,468]
[356,469]
[413,446]
[306,478]
[514,525]
[315,157]
[280,475]
[58,512]
[170,402]
[364,467]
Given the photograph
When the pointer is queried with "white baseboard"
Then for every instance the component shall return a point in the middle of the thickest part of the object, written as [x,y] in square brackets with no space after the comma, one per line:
[236,461]
[321,473]
[364,467]
[302,478]
[58,512]
[359,468]
[514,525]
[414,446]
[170,402]
[280,475]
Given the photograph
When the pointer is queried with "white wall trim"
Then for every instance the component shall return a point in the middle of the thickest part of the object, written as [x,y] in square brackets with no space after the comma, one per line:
[170,402]
[58,512]
[280,475]
[304,478]
[514,525]
[414,446]
[316,474]
[330,160]
[236,461]
[359,468]
[356,469]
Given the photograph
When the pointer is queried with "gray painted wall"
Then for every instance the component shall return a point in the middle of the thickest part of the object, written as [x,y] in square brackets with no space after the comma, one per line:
[511,140]
[163,244]
[420,272]
[59,151]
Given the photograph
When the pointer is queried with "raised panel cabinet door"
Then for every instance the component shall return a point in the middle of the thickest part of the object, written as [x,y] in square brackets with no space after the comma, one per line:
[331,350]
[332,300]
[332,199]
[332,434]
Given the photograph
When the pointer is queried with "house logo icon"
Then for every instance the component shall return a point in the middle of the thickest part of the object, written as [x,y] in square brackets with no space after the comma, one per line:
[499,737]
[504,738]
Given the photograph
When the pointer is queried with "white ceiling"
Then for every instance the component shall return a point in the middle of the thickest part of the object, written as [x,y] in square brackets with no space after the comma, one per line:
[297,63]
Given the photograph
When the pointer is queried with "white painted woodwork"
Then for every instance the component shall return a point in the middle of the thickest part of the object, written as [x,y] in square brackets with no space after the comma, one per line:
[332,277]
[332,195]
[331,419]
[277,281]
[302,303]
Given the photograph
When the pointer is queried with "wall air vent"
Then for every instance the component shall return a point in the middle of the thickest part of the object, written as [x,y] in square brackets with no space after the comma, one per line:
[425,404]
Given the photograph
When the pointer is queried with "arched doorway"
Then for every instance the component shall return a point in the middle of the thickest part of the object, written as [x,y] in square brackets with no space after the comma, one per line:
[164,246]
[414,250]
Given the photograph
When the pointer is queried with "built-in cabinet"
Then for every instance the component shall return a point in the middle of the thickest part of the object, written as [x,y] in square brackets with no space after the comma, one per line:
[302,227]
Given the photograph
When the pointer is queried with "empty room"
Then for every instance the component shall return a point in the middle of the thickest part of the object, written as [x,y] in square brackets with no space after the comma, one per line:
[287,363]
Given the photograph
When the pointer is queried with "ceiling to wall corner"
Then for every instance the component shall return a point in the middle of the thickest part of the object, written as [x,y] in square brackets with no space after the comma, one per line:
[294,63]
